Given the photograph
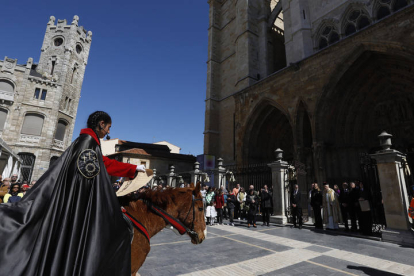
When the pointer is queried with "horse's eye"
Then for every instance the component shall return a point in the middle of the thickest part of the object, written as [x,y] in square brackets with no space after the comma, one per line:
[200,209]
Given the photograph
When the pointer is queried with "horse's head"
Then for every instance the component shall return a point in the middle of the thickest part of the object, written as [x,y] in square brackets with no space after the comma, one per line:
[192,214]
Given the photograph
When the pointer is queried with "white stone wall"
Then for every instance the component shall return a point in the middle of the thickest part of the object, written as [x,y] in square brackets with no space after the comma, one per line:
[173,148]
[108,146]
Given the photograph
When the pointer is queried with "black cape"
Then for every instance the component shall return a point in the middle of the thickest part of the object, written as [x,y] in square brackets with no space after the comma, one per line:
[66,224]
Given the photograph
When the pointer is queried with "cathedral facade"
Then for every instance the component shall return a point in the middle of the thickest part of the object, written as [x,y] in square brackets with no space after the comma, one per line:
[320,79]
[38,102]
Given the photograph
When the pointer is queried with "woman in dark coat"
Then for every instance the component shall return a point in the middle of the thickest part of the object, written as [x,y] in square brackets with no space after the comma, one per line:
[70,222]
[252,200]
[266,204]
[316,203]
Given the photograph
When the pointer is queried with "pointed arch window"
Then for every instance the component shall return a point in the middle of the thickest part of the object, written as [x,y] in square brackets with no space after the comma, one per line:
[399,4]
[383,8]
[328,36]
[356,20]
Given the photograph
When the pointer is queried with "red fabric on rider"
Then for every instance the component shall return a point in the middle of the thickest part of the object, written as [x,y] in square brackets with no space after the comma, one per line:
[113,167]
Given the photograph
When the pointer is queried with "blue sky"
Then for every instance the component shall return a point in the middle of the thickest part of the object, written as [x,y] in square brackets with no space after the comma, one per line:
[147,65]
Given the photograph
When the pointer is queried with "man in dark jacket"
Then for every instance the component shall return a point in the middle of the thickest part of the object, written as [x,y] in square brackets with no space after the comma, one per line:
[295,198]
[344,201]
[353,205]
[266,197]
[231,203]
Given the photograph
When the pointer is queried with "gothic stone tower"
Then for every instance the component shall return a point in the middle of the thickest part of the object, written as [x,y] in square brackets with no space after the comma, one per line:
[320,79]
[39,102]
[246,44]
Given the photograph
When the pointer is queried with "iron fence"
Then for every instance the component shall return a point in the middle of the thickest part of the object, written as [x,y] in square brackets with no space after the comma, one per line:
[257,175]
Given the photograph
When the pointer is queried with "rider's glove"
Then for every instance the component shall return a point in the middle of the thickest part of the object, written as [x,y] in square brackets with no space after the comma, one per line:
[141,168]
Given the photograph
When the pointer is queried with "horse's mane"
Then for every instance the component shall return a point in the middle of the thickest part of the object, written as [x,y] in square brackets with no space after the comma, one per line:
[162,198]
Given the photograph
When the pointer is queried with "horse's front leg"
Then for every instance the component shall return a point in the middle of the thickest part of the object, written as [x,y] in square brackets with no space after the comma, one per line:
[140,248]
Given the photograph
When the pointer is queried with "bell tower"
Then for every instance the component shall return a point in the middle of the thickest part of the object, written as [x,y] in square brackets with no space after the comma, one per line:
[63,59]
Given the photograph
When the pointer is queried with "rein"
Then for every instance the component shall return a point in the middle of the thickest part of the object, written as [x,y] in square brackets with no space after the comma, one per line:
[181,228]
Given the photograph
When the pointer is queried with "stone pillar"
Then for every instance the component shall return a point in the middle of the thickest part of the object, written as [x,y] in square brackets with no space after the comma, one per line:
[278,182]
[196,174]
[154,177]
[219,174]
[171,177]
[394,193]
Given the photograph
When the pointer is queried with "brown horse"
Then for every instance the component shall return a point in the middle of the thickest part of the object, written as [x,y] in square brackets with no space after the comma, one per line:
[184,204]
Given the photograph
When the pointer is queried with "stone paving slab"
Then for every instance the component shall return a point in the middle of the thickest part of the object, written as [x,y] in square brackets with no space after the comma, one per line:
[351,267]
[305,268]
[274,251]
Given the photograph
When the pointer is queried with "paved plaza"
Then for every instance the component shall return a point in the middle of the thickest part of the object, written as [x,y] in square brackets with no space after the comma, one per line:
[275,250]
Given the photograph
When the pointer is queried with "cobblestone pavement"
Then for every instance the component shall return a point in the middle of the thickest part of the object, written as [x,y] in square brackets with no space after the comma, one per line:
[275,250]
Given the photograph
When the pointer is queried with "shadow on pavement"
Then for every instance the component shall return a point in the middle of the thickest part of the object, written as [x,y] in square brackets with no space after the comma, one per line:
[372,271]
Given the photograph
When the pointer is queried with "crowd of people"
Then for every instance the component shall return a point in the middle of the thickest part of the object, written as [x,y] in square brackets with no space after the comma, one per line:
[222,204]
[333,206]
[13,190]
[327,206]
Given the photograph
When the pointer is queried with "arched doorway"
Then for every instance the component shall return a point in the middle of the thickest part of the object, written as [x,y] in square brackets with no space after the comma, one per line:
[375,94]
[269,129]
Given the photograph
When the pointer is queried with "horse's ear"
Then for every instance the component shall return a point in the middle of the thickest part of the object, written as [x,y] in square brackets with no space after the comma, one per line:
[192,185]
[197,188]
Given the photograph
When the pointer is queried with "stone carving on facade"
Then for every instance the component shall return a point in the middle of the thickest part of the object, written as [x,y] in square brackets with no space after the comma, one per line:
[29,139]
[53,78]
[51,20]
[58,144]
[9,64]
[68,49]
[75,20]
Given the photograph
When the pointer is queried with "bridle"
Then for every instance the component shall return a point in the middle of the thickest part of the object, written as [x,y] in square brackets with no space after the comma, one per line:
[181,228]
[191,231]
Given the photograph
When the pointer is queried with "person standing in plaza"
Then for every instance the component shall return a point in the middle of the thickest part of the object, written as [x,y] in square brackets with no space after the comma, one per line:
[266,205]
[331,210]
[241,199]
[295,201]
[14,179]
[253,201]
[219,200]
[236,191]
[337,190]
[231,203]
[4,188]
[24,188]
[210,210]
[316,202]
[14,194]
[364,216]
[353,205]
[225,209]
[309,195]
[32,184]
[344,201]
[203,195]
